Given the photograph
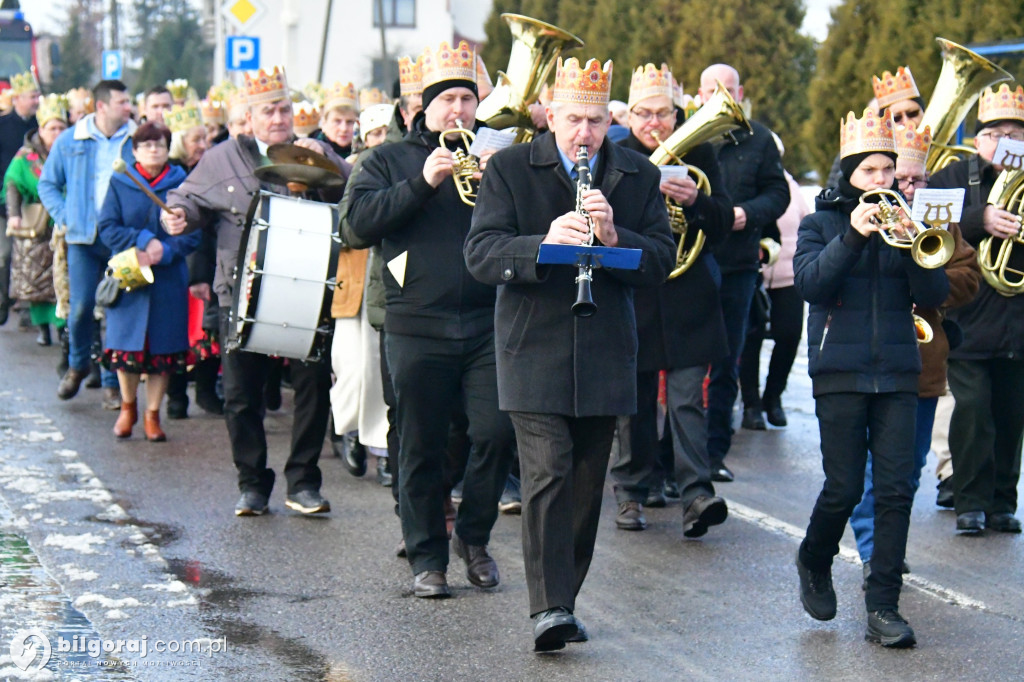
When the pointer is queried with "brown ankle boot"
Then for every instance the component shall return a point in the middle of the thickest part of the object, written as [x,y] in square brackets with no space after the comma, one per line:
[126,420]
[151,424]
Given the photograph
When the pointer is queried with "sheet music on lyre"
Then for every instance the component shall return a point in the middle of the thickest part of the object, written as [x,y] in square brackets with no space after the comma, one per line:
[491,139]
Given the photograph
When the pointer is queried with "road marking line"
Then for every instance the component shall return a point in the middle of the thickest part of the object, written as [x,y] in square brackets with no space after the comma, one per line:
[780,527]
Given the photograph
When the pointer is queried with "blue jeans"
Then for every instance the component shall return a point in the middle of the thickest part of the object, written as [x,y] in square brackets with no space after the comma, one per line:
[736,292]
[86,264]
[862,521]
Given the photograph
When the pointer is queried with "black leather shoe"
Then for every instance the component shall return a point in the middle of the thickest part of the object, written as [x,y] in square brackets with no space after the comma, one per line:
[553,628]
[656,499]
[671,489]
[384,476]
[722,474]
[889,629]
[630,516]
[431,585]
[970,522]
[400,550]
[251,503]
[703,512]
[945,497]
[481,569]
[5,309]
[753,419]
[308,502]
[70,383]
[95,379]
[177,408]
[775,414]
[44,338]
[581,633]
[816,592]
[1004,522]
[353,455]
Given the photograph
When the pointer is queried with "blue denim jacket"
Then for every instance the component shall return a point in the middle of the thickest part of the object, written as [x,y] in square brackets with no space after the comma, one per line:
[68,184]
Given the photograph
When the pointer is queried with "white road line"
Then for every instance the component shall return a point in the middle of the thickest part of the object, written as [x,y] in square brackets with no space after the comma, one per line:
[780,527]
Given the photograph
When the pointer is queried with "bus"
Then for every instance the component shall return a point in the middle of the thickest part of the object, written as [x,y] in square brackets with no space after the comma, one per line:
[17,46]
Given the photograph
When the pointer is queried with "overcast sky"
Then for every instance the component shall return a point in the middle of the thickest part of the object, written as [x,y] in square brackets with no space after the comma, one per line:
[41,13]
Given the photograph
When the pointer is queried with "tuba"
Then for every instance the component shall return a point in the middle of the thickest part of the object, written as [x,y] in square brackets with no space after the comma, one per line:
[1006,278]
[718,116]
[466,165]
[536,47]
[930,247]
[963,78]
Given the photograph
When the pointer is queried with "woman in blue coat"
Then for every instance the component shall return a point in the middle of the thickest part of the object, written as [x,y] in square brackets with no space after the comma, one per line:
[147,330]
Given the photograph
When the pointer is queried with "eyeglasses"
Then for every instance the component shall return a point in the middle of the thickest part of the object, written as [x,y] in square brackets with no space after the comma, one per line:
[898,118]
[996,135]
[645,115]
[916,183]
[151,145]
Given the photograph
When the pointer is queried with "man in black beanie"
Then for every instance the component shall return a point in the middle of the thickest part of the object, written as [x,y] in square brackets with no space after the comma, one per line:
[439,327]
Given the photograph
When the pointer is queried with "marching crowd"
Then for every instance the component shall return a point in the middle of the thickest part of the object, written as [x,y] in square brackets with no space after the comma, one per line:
[451,353]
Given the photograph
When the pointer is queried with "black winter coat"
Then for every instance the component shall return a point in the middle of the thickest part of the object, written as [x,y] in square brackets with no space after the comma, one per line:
[993,324]
[860,331]
[680,323]
[550,361]
[390,202]
[13,131]
[755,182]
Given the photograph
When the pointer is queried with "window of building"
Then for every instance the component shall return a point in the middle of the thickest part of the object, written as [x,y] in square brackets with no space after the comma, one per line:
[397,13]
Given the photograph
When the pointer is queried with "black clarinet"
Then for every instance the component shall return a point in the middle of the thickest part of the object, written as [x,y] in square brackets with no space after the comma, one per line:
[584,305]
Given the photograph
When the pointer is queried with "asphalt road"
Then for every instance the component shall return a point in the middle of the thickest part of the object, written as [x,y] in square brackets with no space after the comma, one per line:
[105,540]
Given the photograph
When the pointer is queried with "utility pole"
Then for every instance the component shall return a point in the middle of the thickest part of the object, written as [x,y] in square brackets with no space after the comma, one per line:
[115,39]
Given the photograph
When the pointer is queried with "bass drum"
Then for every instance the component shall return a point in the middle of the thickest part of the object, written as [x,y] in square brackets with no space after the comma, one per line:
[284,278]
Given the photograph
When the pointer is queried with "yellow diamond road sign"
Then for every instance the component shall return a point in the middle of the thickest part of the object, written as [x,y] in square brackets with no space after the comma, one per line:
[243,13]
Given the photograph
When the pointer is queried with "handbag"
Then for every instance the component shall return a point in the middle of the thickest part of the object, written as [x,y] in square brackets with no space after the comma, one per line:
[108,291]
[34,221]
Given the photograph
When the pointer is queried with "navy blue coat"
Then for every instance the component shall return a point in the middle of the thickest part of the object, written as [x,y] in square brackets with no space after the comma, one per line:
[860,331]
[159,311]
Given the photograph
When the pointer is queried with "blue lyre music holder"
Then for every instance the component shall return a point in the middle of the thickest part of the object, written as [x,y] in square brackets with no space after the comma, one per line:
[595,256]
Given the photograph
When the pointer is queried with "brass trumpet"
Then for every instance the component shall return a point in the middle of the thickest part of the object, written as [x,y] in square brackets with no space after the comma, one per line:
[930,247]
[923,329]
[1008,194]
[466,165]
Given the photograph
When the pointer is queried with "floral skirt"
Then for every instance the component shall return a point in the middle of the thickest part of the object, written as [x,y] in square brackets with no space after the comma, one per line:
[143,362]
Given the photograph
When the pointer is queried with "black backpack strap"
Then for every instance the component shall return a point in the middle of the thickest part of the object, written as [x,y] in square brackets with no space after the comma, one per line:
[974,180]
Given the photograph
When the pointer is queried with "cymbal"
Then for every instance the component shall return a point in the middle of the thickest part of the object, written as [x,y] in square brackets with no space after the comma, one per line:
[312,177]
[294,154]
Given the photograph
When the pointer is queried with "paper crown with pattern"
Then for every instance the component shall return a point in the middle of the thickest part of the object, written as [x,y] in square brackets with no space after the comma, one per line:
[590,84]
[368,97]
[890,88]
[80,97]
[25,82]
[340,95]
[52,107]
[998,105]
[262,87]
[183,117]
[314,92]
[678,95]
[912,145]
[449,63]
[237,104]
[410,75]
[650,81]
[482,77]
[306,117]
[221,91]
[213,111]
[870,133]
[178,88]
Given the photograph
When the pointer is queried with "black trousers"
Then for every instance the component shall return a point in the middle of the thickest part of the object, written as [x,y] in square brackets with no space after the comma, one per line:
[850,425]
[640,467]
[429,376]
[985,433]
[787,320]
[245,375]
[562,461]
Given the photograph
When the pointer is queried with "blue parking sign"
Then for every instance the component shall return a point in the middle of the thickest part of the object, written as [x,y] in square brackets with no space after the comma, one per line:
[243,53]
[113,64]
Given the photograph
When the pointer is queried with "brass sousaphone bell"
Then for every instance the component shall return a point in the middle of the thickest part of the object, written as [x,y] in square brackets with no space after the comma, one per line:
[1003,274]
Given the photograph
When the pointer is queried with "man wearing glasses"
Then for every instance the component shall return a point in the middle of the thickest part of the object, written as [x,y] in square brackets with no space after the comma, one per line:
[986,372]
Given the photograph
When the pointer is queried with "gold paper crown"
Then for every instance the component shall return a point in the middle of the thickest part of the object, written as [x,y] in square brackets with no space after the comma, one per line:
[370,96]
[340,95]
[236,101]
[24,82]
[314,92]
[1001,104]
[306,118]
[222,91]
[678,95]
[912,145]
[183,117]
[482,77]
[586,85]
[449,63]
[51,107]
[266,87]
[213,111]
[650,81]
[890,89]
[80,97]
[410,75]
[867,134]
[178,88]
